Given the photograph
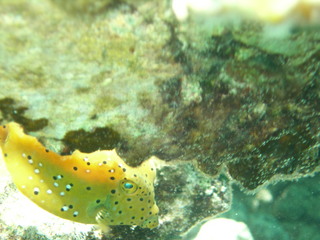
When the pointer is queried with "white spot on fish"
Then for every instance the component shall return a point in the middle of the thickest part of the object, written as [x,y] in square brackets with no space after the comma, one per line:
[56,184]
[37,171]
[64,208]
[30,161]
[49,191]
[62,194]
[40,165]
[30,177]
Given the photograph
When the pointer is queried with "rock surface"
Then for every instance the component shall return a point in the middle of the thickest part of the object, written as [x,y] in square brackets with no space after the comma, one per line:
[107,74]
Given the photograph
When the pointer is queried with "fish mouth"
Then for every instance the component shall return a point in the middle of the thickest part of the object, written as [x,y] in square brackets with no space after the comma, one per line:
[151,222]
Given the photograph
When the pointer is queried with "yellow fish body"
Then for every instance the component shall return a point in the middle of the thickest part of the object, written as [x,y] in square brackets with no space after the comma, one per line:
[93,188]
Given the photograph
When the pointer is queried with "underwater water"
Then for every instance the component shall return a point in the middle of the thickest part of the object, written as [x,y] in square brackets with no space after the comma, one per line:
[159,120]
[287,210]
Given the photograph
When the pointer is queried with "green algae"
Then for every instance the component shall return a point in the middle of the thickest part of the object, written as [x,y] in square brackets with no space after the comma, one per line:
[33,77]
[100,138]
[101,47]
[79,7]
[11,112]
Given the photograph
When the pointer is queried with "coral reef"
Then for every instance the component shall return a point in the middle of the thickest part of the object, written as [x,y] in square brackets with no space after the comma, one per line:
[257,114]
[227,104]
[204,98]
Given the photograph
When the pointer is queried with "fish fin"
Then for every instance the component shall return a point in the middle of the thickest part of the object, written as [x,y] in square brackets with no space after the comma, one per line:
[101,219]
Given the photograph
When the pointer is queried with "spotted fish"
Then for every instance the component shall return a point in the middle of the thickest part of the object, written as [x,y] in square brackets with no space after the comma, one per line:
[93,188]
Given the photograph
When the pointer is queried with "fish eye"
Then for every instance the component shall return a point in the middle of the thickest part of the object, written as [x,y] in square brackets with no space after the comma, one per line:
[129,186]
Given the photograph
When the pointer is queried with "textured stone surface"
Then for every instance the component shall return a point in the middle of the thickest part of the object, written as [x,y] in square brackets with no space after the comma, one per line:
[231,98]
